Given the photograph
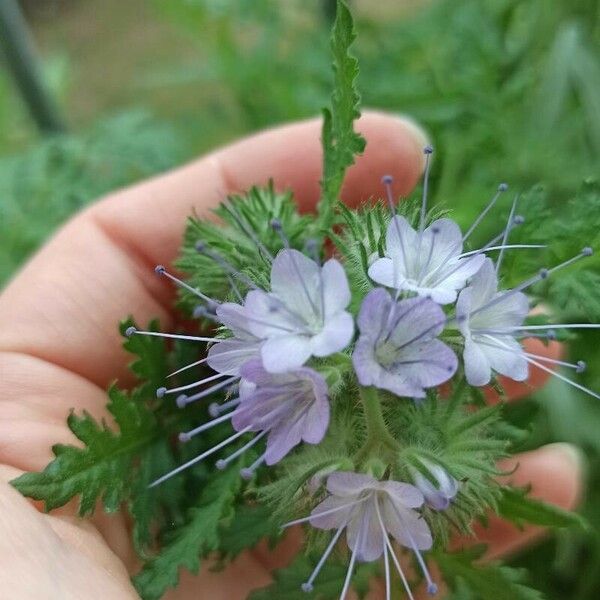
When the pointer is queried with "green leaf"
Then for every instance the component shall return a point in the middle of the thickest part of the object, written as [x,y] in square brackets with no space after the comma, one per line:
[340,141]
[103,467]
[194,540]
[489,581]
[516,506]
[250,525]
[328,584]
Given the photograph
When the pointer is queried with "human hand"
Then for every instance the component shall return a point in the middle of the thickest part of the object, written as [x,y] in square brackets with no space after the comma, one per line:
[59,349]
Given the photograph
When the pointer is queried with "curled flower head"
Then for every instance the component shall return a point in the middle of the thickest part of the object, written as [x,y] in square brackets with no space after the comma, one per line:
[292,407]
[304,314]
[370,511]
[428,262]
[397,349]
[486,319]
[439,493]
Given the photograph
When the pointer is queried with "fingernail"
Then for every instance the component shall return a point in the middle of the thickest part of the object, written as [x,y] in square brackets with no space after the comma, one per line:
[571,453]
[415,130]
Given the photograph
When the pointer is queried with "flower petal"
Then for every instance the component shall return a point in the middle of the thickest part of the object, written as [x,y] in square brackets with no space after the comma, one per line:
[285,353]
[336,291]
[348,484]
[295,280]
[403,493]
[407,526]
[404,249]
[334,519]
[335,336]
[477,366]
[228,356]
[382,272]
[505,356]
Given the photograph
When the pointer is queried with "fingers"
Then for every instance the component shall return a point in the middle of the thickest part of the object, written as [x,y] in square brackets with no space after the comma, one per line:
[64,306]
[554,473]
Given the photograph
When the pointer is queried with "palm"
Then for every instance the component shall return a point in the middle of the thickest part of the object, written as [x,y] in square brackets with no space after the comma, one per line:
[59,349]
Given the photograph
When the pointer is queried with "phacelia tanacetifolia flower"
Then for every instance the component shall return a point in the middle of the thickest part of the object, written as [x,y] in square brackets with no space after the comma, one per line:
[397,349]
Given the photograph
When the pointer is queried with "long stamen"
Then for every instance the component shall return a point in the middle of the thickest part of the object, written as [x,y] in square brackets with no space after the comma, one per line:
[183,400]
[432,587]
[543,274]
[308,585]
[507,232]
[423,269]
[223,462]
[163,391]
[501,188]
[579,367]
[192,338]
[186,436]
[386,566]
[190,366]
[502,248]
[428,151]
[248,472]
[202,312]
[160,270]
[202,248]
[200,457]
[277,227]
[323,513]
[558,326]
[387,181]
[393,554]
[359,539]
[214,409]
[548,370]
[517,220]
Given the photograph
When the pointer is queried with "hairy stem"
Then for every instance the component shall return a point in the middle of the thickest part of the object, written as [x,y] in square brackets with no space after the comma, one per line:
[378,435]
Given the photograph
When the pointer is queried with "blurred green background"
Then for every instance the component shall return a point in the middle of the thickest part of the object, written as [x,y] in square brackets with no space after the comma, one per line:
[508,89]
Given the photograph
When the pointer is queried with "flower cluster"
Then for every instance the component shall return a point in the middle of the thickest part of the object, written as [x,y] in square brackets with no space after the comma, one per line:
[432,310]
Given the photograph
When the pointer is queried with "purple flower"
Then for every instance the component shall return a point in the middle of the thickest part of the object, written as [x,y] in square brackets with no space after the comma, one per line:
[304,314]
[428,262]
[397,349]
[440,494]
[228,355]
[369,511]
[293,407]
[489,320]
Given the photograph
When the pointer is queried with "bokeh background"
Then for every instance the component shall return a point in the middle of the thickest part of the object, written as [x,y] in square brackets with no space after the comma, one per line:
[508,89]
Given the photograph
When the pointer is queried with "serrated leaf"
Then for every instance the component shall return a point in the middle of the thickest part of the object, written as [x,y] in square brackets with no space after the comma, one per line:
[516,506]
[488,581]
[339,139]
[250,525]
[102,468]
[327,586]
[194,540]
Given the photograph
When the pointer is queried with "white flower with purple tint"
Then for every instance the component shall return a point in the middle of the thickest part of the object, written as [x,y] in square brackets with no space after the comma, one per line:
[439,493]
[305,313]
[397,349]
[427,262]
[486,319]
[293,407]
[370,511]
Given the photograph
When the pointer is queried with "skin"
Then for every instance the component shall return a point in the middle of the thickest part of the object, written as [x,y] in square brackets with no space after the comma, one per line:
[59,349]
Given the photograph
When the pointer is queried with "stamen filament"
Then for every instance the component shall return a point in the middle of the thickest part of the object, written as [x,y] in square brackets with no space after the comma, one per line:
[223,462]
[191,366]
[247,229]
[506,233]
[322,513]
[502,248]
[387,181]
[198,458]
[186,436]
[308,585]
[189,386]
[184,400]
[248,472]
[428,151]
[386,566]
[359,538]
[214,409]
[192,338]
[394,558]
[501,188]
[579,366]
[160,270]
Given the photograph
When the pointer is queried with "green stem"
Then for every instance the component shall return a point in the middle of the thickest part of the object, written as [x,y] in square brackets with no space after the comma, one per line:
[378,435]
